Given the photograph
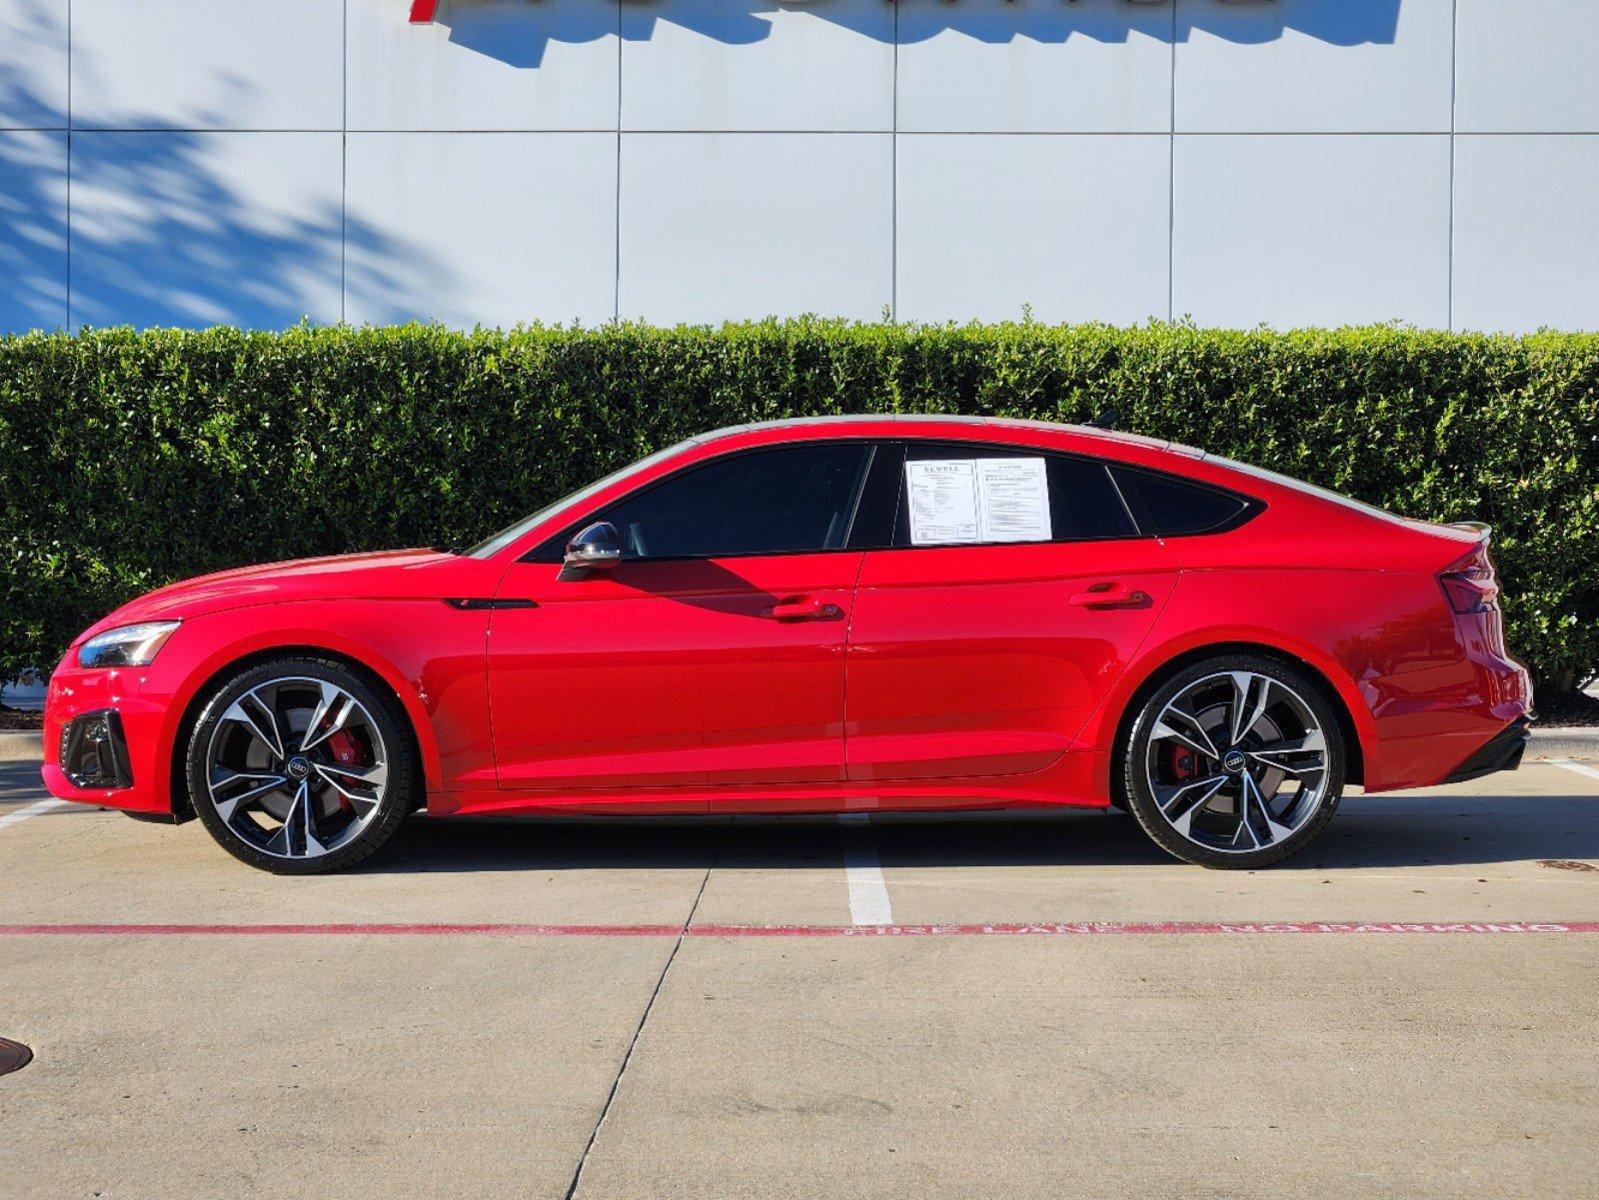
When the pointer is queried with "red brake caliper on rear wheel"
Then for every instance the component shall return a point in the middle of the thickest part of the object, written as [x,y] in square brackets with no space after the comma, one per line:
[345,752]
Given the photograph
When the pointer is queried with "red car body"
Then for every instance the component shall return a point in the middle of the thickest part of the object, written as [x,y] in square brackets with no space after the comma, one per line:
[931,677]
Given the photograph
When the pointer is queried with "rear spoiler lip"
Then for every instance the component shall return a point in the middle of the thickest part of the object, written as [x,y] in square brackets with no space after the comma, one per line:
[1479,527]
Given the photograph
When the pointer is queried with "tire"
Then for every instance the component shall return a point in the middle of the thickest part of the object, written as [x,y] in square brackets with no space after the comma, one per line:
[341,753]
[1217,796]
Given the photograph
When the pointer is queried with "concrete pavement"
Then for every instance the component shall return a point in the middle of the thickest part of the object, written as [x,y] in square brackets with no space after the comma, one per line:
[178,1064]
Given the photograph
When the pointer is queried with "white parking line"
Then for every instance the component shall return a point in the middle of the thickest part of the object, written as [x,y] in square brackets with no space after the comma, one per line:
[868,894]
[33,810]
[1579,768]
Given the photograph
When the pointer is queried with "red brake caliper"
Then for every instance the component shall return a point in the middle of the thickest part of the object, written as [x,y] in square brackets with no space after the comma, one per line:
[345,752]
[1181,763]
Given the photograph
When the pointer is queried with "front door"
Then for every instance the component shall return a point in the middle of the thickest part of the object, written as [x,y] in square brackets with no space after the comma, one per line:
[712,654]
[1014,595]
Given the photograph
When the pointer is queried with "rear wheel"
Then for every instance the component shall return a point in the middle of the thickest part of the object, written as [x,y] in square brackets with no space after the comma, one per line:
[1236,761]
[299,766]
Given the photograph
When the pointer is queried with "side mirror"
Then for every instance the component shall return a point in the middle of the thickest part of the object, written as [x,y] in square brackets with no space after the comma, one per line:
[596,547]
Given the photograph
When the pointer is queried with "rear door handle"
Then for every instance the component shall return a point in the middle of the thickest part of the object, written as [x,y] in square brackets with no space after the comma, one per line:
[802,608]
[1111,594]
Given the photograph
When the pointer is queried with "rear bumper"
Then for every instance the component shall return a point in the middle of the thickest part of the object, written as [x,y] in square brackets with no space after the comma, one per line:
[1502,752]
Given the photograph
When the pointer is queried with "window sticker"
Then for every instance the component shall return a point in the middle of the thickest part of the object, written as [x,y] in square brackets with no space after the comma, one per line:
[978,500]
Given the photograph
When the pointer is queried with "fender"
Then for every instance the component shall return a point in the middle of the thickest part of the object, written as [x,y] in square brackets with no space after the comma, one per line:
[284,632]
[1157,655]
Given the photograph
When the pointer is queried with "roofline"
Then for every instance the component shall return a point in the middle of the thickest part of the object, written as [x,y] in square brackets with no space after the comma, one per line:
[954,419]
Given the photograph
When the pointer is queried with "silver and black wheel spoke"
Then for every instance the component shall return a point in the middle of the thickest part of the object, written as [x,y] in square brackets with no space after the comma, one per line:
[1297,756]
[1183,726]
[1253,805]
[256,715]
[1179,803]
[1251,694]
[232,790]
[333,711]
[297,767]
[1236,762]
[362,785]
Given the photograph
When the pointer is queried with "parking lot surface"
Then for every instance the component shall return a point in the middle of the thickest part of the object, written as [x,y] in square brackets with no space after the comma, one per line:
[1006,1005]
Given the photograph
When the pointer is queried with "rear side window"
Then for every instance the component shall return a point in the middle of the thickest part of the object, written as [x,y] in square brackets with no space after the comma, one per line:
[1171,507]
[954,494]
[787,501]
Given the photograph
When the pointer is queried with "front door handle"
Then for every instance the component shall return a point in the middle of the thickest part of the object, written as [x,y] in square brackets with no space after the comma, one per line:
[802,608]
[1111,594]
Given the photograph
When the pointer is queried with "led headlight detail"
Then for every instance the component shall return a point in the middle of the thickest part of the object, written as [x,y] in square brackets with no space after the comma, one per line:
[129,646]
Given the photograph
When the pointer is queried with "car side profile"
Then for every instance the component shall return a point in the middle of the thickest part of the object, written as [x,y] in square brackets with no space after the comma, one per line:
[814,616]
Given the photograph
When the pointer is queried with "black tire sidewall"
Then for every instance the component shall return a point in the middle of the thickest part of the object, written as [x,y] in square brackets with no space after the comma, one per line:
[398,798]
[1135,787]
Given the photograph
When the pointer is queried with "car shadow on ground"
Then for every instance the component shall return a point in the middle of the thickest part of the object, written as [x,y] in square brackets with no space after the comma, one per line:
[1429,831]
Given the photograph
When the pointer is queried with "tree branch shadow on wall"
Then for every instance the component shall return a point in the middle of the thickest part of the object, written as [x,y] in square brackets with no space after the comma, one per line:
[179,227]
[518,32]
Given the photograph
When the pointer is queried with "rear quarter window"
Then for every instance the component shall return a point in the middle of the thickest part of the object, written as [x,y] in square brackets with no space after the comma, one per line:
[1172,507]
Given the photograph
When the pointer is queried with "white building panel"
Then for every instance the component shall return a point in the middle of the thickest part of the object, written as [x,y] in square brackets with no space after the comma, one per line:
[1526,238]
[1528,67]
[733,225]
[1313,66]
[33,64]
[756,65]
[489,64]
[484,228]
[1034,66]
[200,64]
[206,228]
[33,230]
[1076,227]
[1311,230]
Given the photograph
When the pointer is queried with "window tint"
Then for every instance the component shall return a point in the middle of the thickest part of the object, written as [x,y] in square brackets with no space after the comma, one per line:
[783,501]
[1083,502]
[1170,506]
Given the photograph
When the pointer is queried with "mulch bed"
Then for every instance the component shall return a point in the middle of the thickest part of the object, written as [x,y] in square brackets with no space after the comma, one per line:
[1566,709]
[17,718]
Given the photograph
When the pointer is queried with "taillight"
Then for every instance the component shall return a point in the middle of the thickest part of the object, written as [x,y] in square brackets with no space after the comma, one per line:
[1469,585]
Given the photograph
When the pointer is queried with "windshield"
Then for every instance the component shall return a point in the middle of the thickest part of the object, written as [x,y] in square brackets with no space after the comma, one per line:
[492,546]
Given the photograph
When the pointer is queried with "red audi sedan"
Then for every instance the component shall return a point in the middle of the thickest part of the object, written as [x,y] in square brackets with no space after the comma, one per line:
[829,615]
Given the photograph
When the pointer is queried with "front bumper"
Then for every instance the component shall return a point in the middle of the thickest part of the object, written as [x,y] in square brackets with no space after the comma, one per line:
[137,708]
[1502,752]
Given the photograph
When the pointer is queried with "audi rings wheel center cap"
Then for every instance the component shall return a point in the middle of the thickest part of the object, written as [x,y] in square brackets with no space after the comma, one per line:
[299,768]
[1232,762]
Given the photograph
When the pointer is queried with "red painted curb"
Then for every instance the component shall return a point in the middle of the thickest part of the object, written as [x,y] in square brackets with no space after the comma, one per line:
[1047,929]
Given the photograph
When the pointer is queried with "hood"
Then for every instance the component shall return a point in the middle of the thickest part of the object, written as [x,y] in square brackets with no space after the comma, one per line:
[392,574]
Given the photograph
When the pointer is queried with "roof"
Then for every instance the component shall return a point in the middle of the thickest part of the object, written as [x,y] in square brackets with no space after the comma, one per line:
[955,419]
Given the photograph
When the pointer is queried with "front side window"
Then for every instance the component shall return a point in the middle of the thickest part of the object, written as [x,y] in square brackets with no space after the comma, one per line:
[792,500]
[954,494]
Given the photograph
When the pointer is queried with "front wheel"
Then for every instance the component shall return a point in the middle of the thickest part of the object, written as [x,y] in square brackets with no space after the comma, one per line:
[1234,762]
[299,766]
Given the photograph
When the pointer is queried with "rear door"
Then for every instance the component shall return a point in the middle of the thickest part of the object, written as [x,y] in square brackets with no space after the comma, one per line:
[712,654]
[1013,592]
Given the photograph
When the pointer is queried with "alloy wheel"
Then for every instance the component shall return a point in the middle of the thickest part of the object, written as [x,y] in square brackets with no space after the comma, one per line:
[297,767]
[1237,762]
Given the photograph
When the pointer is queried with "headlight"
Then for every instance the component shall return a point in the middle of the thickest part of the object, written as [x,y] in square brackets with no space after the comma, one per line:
[129,646]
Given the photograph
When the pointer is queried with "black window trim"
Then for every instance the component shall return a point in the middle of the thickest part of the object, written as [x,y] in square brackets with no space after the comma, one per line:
[553,548]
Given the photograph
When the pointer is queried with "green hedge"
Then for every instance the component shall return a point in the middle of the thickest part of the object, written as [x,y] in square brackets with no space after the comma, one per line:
[129,459]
